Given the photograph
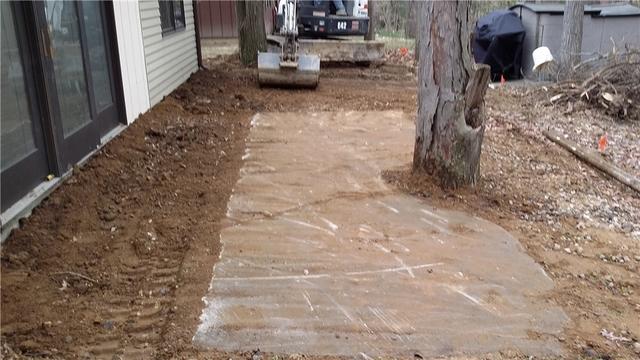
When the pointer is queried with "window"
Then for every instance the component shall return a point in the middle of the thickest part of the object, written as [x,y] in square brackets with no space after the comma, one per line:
[171,15]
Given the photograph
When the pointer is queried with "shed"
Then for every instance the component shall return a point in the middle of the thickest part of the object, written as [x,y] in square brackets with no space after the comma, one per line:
[604,25]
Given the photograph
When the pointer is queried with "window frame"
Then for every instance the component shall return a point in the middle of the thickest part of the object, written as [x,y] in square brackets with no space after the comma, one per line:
[174,26]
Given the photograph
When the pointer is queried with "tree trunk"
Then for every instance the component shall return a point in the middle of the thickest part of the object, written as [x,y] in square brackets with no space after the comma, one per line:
[420,33]
[371,33]
[251,34]
[571,36]
[450,121]
[411,23]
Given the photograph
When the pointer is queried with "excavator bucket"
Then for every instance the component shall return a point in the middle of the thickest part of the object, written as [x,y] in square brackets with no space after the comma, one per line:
[273,72]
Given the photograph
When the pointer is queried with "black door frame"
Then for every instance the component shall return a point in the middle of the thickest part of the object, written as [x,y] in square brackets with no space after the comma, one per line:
[106,119]
[115,71]
[110,17]
[38,42]
[24,174]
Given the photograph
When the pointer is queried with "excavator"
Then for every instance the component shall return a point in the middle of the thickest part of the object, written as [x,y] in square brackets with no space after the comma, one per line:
[292,68]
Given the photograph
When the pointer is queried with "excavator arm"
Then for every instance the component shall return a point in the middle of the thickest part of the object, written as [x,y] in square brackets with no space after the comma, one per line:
[288,68]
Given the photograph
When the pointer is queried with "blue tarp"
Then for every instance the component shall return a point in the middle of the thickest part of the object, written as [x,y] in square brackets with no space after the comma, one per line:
[498,42]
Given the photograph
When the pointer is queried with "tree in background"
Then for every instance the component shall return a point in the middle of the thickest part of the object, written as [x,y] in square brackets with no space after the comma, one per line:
[391,15]
[571,36]
[411,22]
[450,121]
[412,30]
[371,34]
[251,34]
[394,16]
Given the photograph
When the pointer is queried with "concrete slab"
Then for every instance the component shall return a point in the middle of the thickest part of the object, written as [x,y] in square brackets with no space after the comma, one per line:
[321,257]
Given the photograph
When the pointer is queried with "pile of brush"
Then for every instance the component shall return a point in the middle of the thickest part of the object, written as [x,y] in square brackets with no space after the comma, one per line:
[609,82]
[400,56]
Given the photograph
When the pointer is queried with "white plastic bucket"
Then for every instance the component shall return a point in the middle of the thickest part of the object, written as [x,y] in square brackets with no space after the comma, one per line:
[541,56]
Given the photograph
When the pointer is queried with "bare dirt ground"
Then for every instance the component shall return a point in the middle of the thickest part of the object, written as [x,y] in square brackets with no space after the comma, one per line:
[117,259]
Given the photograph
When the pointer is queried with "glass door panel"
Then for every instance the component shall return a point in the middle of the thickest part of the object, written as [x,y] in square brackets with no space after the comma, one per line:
[68,81]
[68,64]
[98,55]
[23,159]
[102,64]
[17,135]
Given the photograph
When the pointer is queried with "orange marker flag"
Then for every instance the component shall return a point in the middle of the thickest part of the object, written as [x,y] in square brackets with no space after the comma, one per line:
[602,143]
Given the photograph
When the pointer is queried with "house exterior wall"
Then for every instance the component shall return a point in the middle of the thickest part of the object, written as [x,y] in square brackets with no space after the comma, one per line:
[132,62]
[171,58]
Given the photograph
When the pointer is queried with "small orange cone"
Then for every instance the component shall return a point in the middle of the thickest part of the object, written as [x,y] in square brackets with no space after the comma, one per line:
[502,80]
[602,143]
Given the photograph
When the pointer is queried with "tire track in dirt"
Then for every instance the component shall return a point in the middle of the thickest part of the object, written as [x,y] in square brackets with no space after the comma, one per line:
[142,319]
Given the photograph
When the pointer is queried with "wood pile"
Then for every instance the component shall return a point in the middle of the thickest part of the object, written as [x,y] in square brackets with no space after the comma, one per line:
[611,83]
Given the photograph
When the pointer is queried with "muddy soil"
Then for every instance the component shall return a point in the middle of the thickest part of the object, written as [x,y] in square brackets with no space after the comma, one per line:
[117,259]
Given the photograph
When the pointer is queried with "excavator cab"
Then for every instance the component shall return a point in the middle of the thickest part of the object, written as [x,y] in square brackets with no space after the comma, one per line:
[319,19]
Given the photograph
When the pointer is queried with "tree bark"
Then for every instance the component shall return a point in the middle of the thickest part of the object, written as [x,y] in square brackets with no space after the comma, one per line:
[251,34]
[371,33]
[571,36]
[450,121]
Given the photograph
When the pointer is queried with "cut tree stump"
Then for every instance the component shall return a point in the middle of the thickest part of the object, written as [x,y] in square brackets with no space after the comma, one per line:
[594,160]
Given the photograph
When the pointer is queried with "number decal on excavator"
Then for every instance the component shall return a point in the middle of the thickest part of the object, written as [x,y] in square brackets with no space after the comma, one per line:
[342,25]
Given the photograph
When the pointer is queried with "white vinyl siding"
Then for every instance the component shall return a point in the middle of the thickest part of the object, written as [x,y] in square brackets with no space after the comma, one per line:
[170,59]
[132,59]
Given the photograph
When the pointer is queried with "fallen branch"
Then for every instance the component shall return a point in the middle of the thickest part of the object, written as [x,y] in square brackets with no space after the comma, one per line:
[594,160]
[84,277]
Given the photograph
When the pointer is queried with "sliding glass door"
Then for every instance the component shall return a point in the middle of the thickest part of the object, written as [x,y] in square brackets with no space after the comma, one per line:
[59,88]
[23,154]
